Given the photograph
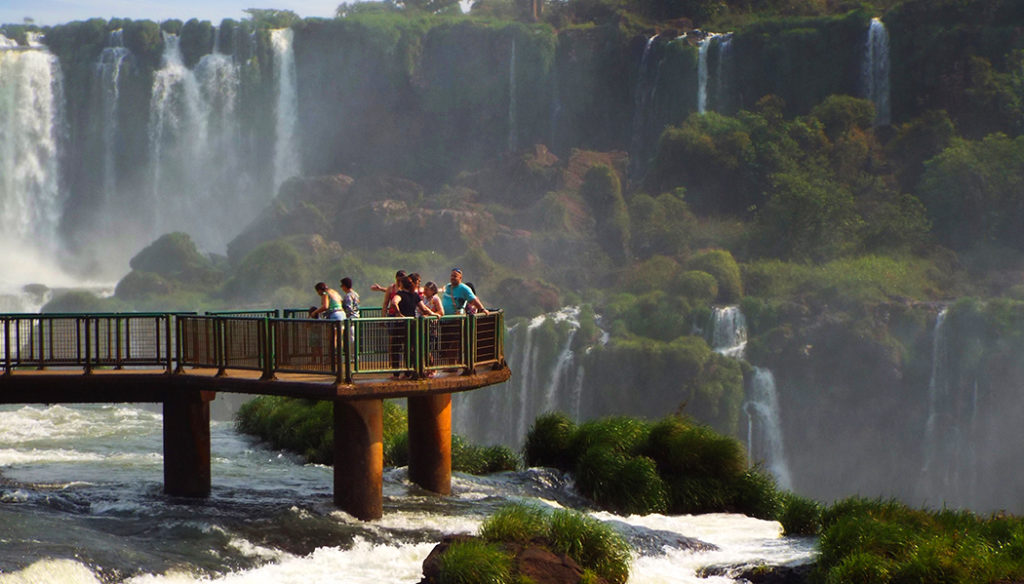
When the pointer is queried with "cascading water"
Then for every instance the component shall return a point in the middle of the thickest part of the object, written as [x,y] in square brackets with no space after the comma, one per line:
[702,73]
[764,423]
[643,96]
[545,358]
[286,155]
[33,126]
[764,427]
[876,71]
[108,81]
[729,331]
[723,71]
[948,472]
[198,182]
[88,480]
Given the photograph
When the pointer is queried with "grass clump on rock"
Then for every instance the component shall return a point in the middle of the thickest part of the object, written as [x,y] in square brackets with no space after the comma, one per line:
[597,552]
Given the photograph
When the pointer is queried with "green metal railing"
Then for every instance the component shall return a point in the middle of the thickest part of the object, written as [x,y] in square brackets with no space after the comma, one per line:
[115,340]
[252,340]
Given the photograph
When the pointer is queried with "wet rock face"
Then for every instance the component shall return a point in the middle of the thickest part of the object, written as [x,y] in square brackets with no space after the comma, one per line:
[760,574]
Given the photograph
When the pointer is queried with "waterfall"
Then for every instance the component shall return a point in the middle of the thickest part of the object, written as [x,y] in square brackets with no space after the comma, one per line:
[513,139]
[33,126]
[876,71]
[948,471]
[198,181]
[547,375]
[722,71]
[108,78]
[764,423]
[729,331]
[643,96]
[702,73]
[286,156]
[764,427]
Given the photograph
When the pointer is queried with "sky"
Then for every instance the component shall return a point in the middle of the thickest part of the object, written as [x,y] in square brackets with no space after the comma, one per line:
[50,12]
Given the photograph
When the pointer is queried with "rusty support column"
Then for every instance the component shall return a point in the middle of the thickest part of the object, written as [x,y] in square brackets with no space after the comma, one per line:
[187,444]
[430,442]
[359,457]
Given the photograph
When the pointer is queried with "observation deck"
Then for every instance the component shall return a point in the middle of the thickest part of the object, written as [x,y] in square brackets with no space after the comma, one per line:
[183,359]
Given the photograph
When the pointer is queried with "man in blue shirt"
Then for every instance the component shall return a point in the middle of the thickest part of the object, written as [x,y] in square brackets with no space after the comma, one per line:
[457,295]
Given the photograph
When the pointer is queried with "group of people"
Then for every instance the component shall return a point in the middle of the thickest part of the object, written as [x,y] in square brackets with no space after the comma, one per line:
[406,297]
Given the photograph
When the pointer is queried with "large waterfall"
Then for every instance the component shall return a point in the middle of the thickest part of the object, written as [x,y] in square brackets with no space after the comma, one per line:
[108,82]
[198,183]
[876,70]
[286,155]
[33,131]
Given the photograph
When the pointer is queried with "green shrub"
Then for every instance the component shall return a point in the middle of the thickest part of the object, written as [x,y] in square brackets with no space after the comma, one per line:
[591,543]
[516,523]
[800,515]
[474,562]
[625,484]
[720,264]
[620,433]
[755,494]
[549,441]
[478,460]
[681,448]
[696,285]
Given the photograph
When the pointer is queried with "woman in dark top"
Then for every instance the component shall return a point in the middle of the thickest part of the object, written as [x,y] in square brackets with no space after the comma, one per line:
[405,302]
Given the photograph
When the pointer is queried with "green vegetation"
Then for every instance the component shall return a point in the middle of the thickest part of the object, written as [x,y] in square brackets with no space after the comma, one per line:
[591,543]
[883,541]
[670,466]
[306,427]
[473,561]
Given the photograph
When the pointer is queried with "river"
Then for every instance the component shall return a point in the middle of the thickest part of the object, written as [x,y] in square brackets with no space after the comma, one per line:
[81,501]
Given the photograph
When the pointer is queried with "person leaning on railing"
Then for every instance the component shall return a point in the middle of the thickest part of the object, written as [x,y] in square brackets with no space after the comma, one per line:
[458,295]
[330,303]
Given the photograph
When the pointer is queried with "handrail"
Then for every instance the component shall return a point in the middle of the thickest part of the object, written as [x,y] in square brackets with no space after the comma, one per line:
[252,340]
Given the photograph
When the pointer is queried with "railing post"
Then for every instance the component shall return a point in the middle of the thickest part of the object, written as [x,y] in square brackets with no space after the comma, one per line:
[7,346]
[218,344]
[343,373]
[353,365]
[179,346]
[42,343]
[88,345]
[267,345]
[418,331]
[168,347]
[470,343]
[118,364]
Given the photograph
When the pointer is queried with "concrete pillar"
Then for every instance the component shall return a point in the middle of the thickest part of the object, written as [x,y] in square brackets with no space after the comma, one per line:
[359,457]
[187,443]
[430,442]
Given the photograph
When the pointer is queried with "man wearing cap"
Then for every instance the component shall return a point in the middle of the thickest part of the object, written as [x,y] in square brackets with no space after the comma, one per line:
[457,295]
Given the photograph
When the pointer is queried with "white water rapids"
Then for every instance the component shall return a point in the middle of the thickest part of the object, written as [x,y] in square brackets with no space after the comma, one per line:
[81,501]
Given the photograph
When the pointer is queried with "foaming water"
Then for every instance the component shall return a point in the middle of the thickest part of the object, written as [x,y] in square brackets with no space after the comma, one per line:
[81,500]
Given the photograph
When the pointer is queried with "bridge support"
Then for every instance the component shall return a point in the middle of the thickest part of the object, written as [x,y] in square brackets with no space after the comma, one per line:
[187,443]
[430,442]
[359,457]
